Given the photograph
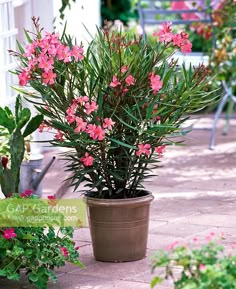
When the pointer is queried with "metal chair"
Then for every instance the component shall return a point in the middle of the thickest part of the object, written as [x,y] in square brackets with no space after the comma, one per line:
[228,96]
[154,12]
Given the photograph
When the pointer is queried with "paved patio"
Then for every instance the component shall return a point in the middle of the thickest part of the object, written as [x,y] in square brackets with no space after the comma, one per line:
[195,194]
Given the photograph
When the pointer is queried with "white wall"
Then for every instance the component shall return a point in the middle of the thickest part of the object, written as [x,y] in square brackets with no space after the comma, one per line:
[82,13]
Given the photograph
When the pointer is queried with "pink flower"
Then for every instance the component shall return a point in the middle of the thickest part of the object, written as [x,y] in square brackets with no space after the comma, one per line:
[59,135]
[156,83]
[24,77]
[173,245]
[46,63]
[202,267]
[143,149]
[181,40]
[114,82]
[130,80]
[87,160]
[77,53]
[160,150]
[70,118]
[222,235]
[82,99]
[63,53]
[91,107]
[80,124]
[186,47]
[125,90]
[29,50]
[64,251]
[32,63]
[108,123]
[49,77]
[71,110]
[26,193]
[124,69]
[42,126]
[165,33]
[9,233]
[52,200]
[95,132]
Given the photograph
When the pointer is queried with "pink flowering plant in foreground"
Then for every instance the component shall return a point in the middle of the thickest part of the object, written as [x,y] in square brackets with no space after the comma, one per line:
[37,250]
[116,105]
[195,266]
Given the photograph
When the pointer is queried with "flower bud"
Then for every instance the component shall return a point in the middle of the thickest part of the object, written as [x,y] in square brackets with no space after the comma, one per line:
[4,161]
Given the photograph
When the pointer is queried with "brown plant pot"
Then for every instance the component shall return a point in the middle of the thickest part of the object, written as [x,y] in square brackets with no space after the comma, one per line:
[119,227]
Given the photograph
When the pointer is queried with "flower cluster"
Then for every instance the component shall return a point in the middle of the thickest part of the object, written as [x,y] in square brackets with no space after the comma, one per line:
[81,125]
[41,55]
[180,40]
[9,233]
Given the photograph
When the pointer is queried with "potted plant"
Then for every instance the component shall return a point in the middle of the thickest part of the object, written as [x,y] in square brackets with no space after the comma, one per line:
[192,266]
[116,107]
[33,250]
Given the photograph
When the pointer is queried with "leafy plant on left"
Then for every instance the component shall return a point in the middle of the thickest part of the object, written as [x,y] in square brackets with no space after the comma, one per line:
[36,249]
[17,127]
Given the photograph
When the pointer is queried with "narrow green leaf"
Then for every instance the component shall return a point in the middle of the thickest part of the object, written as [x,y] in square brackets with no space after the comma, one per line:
[33,124]
[24,117]
[156,280]
[123,144]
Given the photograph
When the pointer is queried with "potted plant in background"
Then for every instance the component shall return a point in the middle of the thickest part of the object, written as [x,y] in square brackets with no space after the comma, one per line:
[117,107]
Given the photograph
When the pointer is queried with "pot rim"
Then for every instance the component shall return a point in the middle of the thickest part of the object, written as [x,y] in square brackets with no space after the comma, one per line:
[90,201]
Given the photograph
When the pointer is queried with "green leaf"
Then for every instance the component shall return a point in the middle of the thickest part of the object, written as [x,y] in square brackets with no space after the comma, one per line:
[33,277]
[7,182]
[17,150]
[78,263]
[28,237]
[24,117]
[33,124]
[27,36]
[126,124]
[18,108]
[156,280]
[14,276]
[123,144]
[6,121]
[3,273]
[52,275]
[21,49]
